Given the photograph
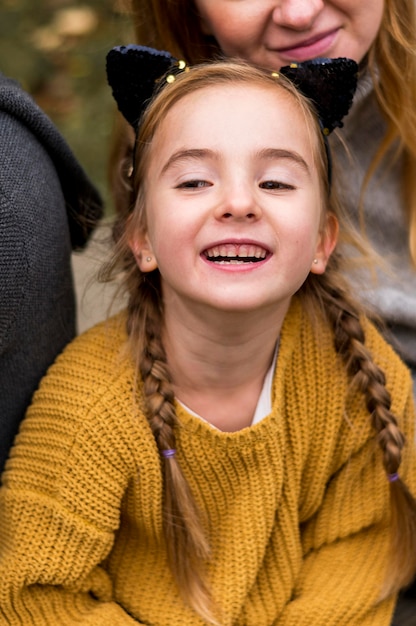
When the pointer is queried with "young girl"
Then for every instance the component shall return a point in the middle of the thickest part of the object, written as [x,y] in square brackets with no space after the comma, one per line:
[231,449]
[377,177]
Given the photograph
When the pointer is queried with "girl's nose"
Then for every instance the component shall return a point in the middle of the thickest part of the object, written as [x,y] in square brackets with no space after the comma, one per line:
[297,14]
[239,205]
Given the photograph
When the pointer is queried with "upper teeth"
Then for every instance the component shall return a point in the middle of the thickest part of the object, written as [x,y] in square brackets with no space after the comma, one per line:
[234,250]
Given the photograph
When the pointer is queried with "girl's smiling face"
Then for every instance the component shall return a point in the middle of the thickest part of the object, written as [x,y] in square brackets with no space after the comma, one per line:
[272,34]
[233,200]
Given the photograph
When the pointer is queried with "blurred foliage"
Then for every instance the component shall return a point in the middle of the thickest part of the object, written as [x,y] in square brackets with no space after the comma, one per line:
[56,49]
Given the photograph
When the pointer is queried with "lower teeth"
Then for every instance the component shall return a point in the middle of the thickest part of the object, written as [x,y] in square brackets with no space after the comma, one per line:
[232,262]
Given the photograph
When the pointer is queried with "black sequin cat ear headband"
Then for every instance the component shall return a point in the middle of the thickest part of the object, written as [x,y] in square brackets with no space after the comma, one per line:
[133,72]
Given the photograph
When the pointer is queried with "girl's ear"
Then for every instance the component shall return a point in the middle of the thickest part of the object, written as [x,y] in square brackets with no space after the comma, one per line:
[143,252]
[326,243]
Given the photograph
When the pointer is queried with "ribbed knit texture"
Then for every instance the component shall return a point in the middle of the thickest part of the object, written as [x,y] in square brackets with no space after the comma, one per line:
[47,206]
[297,505]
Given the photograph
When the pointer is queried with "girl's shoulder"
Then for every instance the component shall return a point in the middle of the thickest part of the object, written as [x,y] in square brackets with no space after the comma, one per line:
[397,374]
[380,344]
[83,438]
[83,411]
[97,350]
[93,370]
[311,341]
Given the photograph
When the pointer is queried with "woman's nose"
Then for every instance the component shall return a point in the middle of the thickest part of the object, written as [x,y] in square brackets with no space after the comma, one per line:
[297,14]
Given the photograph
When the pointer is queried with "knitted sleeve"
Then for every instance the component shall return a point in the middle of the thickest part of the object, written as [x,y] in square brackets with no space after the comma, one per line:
[339,583]
[346,542]
[60,505]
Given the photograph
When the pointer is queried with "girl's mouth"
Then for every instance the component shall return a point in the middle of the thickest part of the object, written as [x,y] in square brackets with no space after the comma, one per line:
[231,253]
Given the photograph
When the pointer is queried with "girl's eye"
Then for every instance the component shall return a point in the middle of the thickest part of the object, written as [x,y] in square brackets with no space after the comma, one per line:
[193,184]
[274,184]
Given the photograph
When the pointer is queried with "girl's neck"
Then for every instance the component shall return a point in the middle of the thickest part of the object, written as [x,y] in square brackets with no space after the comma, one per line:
[218,362]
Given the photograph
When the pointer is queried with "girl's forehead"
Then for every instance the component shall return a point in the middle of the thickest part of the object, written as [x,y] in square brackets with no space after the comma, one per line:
[265,89]
[250,99]
[249,117]
[254,108]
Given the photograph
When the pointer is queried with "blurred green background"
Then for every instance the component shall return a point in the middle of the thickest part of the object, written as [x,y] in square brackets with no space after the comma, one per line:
[56,49]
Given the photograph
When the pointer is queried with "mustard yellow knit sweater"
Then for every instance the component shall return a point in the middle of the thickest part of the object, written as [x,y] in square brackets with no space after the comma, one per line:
[297,504]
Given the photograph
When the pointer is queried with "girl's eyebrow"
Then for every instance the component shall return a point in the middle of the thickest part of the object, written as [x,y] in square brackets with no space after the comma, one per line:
[193,153]
[266,153]
[281,154]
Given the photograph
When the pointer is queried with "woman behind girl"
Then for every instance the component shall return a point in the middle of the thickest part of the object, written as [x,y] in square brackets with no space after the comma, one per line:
[231,449]
[376,148]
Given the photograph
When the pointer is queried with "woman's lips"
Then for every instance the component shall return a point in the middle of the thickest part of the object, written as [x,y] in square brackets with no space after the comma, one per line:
[309,48]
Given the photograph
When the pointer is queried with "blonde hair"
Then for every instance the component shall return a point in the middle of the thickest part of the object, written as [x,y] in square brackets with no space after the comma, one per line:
[324,295]
[176,26]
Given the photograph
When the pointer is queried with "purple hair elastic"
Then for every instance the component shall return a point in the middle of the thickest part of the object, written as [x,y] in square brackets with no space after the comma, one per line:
[393,477]
[168,453]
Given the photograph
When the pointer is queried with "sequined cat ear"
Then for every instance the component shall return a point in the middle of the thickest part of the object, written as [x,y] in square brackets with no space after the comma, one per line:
[132,72]
[329,83]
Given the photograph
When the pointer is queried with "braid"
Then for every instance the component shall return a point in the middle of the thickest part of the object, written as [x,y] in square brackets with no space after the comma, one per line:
[370,380]
[186,543]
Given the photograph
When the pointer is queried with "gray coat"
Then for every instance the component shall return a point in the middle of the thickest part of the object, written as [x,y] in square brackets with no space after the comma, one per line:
[47,208]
